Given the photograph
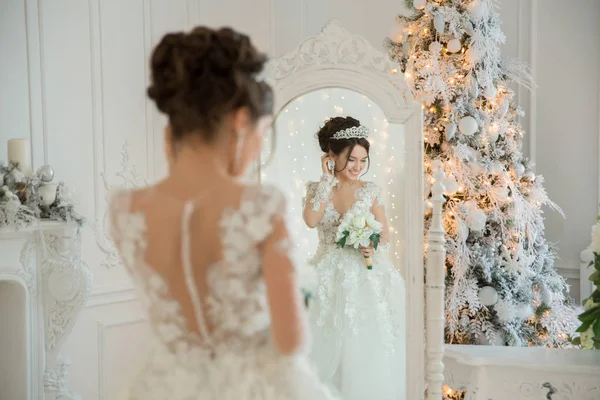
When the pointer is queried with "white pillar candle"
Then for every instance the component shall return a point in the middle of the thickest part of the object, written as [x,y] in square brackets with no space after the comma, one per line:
[19,152]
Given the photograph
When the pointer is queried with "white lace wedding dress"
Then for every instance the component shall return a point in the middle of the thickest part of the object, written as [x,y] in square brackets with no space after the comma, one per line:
[357,315]
[230,354]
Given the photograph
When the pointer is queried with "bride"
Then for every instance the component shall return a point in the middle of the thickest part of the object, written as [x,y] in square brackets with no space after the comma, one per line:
[357,315]
[209,255]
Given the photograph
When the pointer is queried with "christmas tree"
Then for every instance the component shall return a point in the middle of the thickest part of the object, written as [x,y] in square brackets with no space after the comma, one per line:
[502,287]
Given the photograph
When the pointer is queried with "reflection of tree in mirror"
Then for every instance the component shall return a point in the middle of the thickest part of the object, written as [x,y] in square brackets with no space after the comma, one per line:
[502,286]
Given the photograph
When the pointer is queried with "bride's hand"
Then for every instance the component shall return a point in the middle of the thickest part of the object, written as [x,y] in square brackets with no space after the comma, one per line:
[367,251]
[325,158]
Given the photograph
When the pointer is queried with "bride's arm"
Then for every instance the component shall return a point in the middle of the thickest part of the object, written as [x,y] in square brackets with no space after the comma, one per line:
[317,195]
[283,293]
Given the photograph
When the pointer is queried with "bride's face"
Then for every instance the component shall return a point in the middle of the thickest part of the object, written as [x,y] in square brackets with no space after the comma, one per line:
[354,166]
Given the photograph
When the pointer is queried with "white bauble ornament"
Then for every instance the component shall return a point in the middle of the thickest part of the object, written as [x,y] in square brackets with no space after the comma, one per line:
[477,168]
[435,47]
[476,10]
[500,193]
[419,4]
[469,29]
[450,186]
[519,169]
[490,92]
[47,193]
[497,168]
[488,296]
[492,135]
[529,175]
[396,33]
[476,219]
[449,130]
[471,56]
[439,23]
[524,311]
[45,173]
[467,125]
[454,46]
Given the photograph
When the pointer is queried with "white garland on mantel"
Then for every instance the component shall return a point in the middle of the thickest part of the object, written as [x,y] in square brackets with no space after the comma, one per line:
[21,205]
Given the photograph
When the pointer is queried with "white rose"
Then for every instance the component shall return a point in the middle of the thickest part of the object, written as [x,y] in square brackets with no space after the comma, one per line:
[359,222]
[596,238]
[373,223]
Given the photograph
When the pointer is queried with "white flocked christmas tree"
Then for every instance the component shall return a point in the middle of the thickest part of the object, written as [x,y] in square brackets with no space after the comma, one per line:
[502,286]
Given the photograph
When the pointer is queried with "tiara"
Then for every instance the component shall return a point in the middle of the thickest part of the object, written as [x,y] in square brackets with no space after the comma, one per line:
[355,132]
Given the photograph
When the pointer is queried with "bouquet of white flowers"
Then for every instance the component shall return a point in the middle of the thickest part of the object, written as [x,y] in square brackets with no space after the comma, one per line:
[359,229]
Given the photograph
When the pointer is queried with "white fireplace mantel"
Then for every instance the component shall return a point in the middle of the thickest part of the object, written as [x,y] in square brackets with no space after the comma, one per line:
[523,373]
[44,283]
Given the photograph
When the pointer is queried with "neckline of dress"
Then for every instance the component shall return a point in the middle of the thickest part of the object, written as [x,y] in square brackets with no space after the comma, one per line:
[356,193]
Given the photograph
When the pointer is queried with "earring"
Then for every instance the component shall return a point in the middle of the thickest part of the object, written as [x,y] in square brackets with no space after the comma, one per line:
[238,151]
[331,165]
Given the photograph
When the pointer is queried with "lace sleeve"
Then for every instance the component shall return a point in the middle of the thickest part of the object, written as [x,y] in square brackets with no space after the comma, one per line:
[280,275]
[319,192]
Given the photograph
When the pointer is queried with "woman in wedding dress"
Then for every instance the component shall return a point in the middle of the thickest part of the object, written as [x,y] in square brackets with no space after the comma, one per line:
[357,315]
[208,254]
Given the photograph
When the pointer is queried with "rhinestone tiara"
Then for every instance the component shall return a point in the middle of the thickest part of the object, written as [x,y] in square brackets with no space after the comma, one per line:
[350,133]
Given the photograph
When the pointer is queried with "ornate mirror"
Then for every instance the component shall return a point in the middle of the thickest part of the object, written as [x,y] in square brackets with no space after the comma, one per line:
[340,75]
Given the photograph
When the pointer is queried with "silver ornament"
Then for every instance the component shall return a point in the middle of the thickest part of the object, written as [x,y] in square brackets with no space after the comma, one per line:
[45,173]
[449,130]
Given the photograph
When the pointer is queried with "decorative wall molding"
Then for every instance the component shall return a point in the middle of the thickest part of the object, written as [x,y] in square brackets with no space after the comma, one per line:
[533,50]
[569,271]
[99,154]
[35,74]
[112,294]
[102,328]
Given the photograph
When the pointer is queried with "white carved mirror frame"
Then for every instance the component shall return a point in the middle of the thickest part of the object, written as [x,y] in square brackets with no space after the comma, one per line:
[336,58]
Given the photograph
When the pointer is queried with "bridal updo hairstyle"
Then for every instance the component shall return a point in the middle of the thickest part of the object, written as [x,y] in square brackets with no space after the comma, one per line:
[337,146]
[200,77]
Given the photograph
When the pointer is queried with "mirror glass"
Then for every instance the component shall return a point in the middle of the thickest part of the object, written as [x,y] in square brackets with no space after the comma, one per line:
[357,315]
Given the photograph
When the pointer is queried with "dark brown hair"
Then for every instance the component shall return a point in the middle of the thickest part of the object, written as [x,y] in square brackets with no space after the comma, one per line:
[337,146]
[200,77]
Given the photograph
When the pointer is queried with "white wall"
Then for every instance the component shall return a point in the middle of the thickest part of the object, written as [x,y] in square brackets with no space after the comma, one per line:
[561,41]
[73,76]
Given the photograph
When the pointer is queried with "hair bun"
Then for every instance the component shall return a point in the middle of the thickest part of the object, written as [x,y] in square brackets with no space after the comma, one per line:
[332,126]
[198,77]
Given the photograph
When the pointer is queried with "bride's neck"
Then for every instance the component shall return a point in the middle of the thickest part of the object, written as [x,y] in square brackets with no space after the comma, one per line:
[201,163]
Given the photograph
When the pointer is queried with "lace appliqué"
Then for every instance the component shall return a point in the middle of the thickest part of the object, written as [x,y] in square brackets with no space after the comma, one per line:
[129,232]
[237,304]
[320,192]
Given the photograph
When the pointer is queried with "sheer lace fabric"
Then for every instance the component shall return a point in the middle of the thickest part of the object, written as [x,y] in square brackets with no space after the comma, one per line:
[200,279]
